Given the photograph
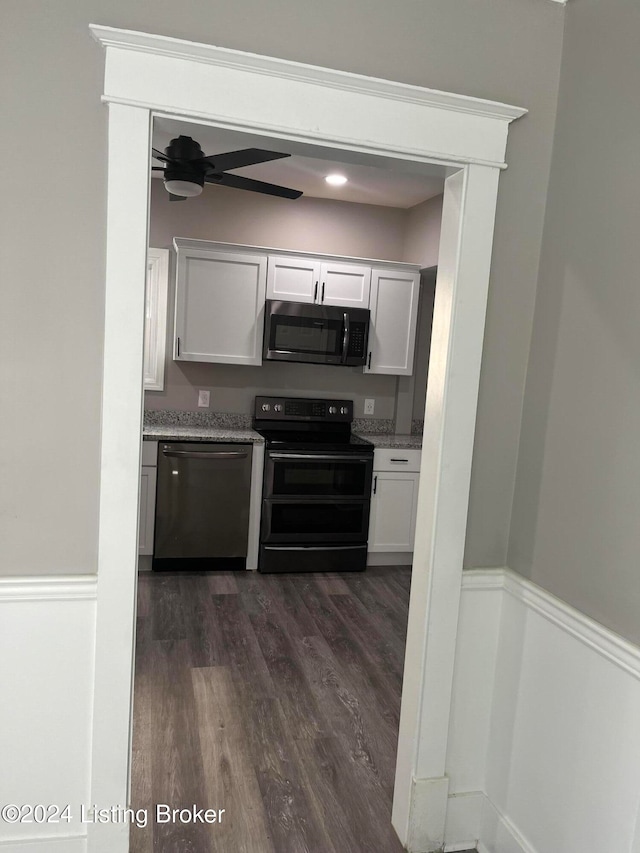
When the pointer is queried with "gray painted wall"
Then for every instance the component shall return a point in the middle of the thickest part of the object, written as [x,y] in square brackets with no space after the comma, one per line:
[575,527]
[53,232]
[422,232]
[308,225]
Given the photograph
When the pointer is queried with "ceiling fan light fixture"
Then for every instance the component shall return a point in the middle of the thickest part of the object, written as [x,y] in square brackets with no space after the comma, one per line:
[336,180]
[187,189]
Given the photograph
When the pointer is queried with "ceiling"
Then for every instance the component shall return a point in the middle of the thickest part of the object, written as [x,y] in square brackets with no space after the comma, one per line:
[386,183]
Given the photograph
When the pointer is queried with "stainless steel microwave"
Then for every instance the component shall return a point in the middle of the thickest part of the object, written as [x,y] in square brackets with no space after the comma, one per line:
[316,334]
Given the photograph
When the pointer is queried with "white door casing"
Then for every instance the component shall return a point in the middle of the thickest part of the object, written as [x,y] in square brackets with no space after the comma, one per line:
[379,121]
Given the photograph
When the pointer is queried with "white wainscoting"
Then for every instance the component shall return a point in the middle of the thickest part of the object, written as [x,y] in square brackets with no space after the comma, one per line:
[47,649]
[544,746]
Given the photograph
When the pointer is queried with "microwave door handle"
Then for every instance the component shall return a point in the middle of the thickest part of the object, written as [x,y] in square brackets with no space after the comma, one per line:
[345,338]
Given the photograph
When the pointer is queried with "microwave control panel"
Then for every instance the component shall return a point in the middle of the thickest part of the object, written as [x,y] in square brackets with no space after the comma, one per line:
[358,339]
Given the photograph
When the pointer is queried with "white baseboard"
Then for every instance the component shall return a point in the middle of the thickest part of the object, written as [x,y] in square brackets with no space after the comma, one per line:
[463,821]
[497,833]
[389,558]
[57,844]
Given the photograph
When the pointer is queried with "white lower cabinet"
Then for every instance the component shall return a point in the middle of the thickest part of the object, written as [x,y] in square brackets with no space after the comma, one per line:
[394,500]
[147,505]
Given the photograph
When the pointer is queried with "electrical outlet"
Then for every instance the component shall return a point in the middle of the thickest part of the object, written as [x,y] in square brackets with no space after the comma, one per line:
[203,399]
[369,406]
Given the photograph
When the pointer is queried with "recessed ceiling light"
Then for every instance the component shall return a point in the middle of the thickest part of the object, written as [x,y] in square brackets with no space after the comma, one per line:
[336,180]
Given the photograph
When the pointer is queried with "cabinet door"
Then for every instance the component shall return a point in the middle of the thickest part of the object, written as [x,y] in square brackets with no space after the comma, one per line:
[293,279]
[394,315]
[146,518]
[155,318]
[345,284]
[219,307]
[392,525]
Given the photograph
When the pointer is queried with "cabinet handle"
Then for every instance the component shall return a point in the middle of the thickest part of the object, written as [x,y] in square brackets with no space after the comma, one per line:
[375,484]
[322,297]
[369,362]
[398,460]
[178,347]
[315,293]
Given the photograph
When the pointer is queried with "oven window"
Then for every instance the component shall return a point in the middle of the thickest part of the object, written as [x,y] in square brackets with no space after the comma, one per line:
[304,334]
[320,478]
[317,521]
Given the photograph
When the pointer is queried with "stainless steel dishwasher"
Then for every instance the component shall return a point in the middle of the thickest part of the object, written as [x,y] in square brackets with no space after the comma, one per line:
[202,506]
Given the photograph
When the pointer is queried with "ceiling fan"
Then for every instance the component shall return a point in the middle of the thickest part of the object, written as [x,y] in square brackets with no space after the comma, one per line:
[187,170]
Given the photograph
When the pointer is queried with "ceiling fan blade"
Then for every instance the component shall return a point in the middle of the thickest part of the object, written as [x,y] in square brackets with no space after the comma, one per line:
[240,183]
[236,159]
[158,155]
[173,197]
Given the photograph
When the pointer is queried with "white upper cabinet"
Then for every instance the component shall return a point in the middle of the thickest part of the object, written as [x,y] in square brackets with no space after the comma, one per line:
[293,279]
[394,315]
[221,289]
[155,318]
[346,285]
[309,279]
[219,305]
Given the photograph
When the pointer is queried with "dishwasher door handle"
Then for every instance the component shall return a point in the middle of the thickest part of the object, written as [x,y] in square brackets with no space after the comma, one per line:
[204,454]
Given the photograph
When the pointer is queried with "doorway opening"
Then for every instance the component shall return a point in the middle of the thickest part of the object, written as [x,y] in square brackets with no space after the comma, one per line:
[278,696]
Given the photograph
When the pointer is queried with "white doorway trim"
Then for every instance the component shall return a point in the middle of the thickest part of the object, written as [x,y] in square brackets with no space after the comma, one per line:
[364,117]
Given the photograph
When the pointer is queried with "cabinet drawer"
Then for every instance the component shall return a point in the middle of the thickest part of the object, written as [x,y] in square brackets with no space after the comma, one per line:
[396,459]
[150,453]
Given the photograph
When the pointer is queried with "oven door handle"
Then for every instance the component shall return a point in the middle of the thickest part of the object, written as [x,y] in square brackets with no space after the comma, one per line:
[321,457]
[345,338]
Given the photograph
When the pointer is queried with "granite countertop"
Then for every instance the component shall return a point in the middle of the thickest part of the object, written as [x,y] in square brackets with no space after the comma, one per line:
[174,432]
[391,440]
[165,425]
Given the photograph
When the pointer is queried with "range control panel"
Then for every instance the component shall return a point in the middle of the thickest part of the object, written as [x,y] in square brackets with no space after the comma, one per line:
[303,409]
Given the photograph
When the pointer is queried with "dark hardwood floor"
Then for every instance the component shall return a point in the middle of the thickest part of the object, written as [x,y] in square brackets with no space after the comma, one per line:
[276,698]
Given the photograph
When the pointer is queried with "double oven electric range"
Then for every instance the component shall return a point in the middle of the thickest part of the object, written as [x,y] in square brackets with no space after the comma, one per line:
[317,486]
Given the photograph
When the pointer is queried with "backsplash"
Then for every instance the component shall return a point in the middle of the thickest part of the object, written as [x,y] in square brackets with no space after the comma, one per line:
[225,420]
[373,425]
[219,420]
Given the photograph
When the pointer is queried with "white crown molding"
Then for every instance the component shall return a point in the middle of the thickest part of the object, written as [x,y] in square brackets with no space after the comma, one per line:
[43,588]
[301,72]
[605,642]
